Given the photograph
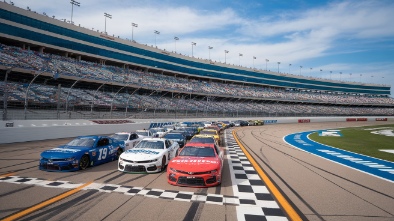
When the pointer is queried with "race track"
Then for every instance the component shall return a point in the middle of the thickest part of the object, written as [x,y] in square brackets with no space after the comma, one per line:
[318,189]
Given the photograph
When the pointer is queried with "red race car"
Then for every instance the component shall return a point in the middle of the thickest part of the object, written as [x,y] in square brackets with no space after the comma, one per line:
[197,165]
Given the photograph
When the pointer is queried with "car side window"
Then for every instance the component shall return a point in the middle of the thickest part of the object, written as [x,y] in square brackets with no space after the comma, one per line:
[133,136]
[103,142]
[168,143]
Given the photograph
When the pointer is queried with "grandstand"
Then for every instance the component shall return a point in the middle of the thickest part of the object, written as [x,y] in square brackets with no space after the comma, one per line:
[51,69]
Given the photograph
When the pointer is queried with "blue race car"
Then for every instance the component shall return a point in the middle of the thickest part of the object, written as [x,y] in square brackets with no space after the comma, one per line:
[80,153]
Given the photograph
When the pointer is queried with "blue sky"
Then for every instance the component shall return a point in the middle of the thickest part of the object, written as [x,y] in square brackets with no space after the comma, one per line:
[355,38]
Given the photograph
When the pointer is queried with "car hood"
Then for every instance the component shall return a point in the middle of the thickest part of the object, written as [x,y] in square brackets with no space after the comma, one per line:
[64,152]
[138,154]
[195,164]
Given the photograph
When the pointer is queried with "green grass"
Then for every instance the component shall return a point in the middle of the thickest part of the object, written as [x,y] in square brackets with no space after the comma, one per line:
[362,141]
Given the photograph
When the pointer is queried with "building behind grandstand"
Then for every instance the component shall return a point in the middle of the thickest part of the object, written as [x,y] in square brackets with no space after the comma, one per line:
[53,69]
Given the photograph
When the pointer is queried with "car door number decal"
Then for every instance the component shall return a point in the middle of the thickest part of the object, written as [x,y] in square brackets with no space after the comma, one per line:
[103,153]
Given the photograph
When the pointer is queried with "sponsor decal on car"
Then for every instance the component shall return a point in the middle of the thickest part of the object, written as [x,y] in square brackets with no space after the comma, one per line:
[135,151]
[65,150]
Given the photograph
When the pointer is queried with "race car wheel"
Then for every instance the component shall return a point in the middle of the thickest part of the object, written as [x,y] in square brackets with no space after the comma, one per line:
[84,162]
[119,152]
[163,163]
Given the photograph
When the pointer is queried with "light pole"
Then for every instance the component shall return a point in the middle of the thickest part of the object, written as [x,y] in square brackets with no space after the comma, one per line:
[225,52]
[330,74]
[266,61]
[310,72]
[156,33]
[209,51]
[73,2]
[300,70]
[278,65]
[175,39]
[106,15]
[289,68]
[340,76]
[360,77]
[239,58]
[132,30]
[350,76]
[193,44]
[253,61]
[321,71]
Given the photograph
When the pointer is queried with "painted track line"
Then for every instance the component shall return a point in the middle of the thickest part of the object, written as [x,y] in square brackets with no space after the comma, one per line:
[292,214]
[48,202]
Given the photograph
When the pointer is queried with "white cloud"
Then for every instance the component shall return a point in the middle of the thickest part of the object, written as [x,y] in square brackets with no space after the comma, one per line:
[338,28]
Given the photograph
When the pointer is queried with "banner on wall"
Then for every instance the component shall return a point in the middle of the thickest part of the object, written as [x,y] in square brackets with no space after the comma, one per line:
[304,120]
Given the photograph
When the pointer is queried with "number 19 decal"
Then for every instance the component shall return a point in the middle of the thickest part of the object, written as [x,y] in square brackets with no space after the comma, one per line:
[103,153]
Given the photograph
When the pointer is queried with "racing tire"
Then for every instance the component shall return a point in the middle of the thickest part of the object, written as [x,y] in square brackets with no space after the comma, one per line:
[119,152]
[163,163]
[84,162]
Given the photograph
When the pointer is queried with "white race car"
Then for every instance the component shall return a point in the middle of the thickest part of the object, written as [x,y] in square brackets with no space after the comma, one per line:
[158,132]
[144,133]
[130,139]
[151,155]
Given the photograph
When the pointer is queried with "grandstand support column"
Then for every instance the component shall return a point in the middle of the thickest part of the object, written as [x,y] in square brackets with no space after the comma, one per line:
[69,90]
[5,98]
[112,102]
[94,95]
[27,93]
[59,91]
[127,105]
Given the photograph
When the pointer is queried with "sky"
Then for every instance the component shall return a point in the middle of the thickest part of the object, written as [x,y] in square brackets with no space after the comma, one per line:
[340,40]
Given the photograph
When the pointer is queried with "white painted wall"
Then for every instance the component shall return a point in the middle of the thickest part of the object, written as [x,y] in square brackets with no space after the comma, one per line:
[31,130]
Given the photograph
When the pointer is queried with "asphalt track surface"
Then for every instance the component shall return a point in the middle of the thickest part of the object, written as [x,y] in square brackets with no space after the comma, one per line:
[317,188]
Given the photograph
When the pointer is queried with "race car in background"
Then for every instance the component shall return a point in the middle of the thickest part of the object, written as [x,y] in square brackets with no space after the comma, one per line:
[80,153]
[158,132]
[151,155]
[130,139]
[144,133]
[198,165]
[176,137]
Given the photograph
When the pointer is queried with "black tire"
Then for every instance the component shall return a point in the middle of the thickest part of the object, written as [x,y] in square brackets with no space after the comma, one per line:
[84,162]
[119,152]
[163,163]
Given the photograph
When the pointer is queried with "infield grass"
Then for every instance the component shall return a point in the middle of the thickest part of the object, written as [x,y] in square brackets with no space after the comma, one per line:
[361,140]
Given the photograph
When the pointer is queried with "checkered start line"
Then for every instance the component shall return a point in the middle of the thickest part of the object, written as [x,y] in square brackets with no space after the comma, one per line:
[251,197]
[247,184]
[130,190]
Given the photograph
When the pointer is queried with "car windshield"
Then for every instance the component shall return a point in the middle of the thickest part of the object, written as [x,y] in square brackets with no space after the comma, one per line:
[202,140]
[120,136]
[151,144]
[142,133]
[82,142]
[197,151]
[208,132]
[173,136]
